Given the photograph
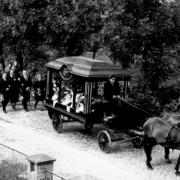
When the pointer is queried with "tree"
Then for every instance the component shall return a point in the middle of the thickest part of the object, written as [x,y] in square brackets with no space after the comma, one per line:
[145,29]
[64,25]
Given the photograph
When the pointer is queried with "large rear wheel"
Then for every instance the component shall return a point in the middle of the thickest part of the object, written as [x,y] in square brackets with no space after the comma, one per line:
[104,141]
[57,122]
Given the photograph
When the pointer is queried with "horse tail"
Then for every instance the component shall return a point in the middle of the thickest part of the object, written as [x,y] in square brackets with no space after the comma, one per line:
[149,141]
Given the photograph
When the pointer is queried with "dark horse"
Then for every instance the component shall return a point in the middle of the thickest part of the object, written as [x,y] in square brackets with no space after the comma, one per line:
[165,132]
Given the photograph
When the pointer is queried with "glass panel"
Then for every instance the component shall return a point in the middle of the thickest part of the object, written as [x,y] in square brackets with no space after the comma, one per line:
[55,85]
[67,92]
[80,95]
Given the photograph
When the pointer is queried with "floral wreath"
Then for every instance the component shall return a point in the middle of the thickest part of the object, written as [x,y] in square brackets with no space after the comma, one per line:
[65,74]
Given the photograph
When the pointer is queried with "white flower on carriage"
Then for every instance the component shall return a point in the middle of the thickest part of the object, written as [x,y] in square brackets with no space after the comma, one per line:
[55,98]
[79,107]
[80,102]
[68,98]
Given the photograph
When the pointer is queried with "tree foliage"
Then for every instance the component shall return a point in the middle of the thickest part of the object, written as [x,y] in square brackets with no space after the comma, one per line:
[146,34]
[64,25]
[142,33]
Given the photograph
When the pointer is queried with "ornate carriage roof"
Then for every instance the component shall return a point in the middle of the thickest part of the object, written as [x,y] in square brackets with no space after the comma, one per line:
[87,67]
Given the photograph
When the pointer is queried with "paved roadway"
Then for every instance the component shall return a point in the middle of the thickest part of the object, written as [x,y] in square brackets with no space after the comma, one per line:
[77,152]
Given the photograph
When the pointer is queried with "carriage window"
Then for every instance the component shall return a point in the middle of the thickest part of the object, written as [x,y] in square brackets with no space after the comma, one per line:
[97,91]
[66,97]
[68,89]
[55,85]
[80,97]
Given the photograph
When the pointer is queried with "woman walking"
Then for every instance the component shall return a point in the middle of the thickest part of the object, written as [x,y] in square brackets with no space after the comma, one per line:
[39,88]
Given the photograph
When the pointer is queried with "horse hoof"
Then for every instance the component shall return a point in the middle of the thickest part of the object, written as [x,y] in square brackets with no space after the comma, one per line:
[177,173]
[168,161]
[150,167]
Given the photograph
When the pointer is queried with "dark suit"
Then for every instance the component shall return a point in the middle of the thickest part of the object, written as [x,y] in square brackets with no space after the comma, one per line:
[109,91]
[15,88]
[25,83]
[5,91]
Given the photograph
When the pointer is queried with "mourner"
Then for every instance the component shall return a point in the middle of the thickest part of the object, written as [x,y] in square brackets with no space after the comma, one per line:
[111,95]
[39,88]
[15,88]
[4,91]
[26,85]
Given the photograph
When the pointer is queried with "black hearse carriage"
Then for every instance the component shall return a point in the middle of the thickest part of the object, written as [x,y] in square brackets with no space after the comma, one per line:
[79,82]
[74,91]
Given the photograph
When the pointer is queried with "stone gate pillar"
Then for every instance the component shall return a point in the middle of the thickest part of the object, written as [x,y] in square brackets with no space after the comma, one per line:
[37,165]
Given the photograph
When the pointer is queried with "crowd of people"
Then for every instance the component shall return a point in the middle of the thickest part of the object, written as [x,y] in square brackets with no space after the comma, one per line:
[16,85]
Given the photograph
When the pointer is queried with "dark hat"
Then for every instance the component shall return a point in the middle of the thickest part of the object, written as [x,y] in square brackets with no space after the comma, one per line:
[111,76]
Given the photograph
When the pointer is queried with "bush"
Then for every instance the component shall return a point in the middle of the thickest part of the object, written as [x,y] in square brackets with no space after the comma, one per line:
[166,98]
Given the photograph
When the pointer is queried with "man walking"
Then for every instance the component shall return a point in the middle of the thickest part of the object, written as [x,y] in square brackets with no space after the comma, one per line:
[111,95]
[15,85]
[26,84]
[4,91]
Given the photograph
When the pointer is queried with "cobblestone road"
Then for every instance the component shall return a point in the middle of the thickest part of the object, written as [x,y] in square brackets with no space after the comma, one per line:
[77,152]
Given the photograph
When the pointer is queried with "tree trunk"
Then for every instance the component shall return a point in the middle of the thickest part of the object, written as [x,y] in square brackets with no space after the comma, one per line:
[1,52]
[94,54]
[20,60]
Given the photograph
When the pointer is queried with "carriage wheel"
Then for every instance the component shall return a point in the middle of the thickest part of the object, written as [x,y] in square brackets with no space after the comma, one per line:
[57,122]
[50,114]
[89,126]
[138,142]
[104,141]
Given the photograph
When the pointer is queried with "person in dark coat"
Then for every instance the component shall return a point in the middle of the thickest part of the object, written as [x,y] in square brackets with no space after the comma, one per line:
[4,91]
[26,85]
[111,95]
[39,88]
[15,89]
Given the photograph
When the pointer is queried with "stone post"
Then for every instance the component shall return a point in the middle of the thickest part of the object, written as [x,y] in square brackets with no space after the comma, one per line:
[37,165]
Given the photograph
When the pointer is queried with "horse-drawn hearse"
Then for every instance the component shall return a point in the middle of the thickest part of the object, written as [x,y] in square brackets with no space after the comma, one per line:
[75,90]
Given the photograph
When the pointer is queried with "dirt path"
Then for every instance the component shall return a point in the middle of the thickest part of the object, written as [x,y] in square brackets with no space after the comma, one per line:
[77,154]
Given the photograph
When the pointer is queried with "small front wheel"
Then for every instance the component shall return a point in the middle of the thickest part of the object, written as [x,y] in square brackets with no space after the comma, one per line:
[138,142]
[57,122]
[104,141]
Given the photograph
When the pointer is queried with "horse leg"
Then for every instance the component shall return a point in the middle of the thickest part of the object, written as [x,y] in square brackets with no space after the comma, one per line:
[177,167]
[148,149]
[167,155]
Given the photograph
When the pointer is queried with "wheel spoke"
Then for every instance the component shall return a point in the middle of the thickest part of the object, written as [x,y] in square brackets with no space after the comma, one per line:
[104,141]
